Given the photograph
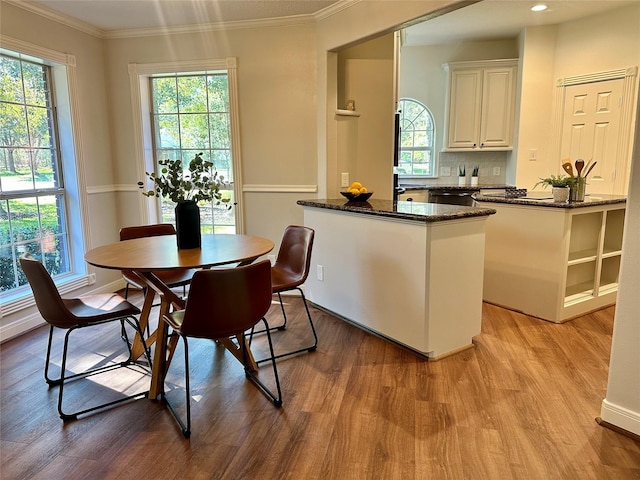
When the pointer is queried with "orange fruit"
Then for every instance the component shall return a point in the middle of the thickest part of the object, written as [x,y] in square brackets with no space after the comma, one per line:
[363,190]
[354,191]
[356,185]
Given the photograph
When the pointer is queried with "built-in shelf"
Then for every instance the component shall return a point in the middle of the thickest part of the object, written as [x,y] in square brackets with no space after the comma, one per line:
[347,113]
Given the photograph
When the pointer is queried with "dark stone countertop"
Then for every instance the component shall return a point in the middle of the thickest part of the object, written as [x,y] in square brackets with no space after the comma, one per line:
[540,199]
[415,211]
[475,188]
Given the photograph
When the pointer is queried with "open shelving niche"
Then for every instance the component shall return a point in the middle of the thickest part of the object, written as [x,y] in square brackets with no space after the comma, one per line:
[593,263]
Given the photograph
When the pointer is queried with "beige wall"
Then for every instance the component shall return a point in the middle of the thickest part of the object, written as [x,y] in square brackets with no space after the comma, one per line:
[277,100]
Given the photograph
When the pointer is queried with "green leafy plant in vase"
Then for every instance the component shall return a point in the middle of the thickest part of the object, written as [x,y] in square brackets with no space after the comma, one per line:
[560,186]
[198,183]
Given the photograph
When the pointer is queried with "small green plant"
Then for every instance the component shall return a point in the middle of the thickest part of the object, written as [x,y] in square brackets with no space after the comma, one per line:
[462,171]
[200,182]
[556,181]
[476,171]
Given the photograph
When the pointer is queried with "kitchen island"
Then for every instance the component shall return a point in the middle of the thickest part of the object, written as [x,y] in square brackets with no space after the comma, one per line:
[552,260]
[411,272]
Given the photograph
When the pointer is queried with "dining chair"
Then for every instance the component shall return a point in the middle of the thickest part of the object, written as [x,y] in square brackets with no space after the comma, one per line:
[171,278]
[289,272]
[73,314]
[224,303]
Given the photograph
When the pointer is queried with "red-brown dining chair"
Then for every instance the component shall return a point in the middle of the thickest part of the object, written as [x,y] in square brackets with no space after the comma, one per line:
[289,272]
[224,303]
[75,313]
[171,278]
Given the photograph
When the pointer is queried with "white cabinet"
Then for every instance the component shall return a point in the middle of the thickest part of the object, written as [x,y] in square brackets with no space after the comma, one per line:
[480,105]
[553,263]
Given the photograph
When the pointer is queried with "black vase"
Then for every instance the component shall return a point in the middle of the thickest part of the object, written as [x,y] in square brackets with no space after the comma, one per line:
[188,224]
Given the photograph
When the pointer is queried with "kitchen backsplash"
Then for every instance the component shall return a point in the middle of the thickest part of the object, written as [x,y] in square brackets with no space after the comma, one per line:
[492,168]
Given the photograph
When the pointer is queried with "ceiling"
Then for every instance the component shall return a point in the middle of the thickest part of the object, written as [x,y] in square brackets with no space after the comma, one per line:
[499,19]
[489,19]
[113,15]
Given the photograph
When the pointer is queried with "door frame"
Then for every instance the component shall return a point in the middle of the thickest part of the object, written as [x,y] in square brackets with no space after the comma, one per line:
[627,114]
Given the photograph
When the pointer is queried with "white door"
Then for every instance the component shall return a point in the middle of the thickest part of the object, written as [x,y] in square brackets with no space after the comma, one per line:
[590,130]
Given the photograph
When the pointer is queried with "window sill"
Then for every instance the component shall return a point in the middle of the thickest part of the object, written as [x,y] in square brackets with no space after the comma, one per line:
[23,298]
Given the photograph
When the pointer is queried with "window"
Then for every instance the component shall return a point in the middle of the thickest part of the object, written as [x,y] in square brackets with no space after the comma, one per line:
[32,193]
[417,139]
[191,115]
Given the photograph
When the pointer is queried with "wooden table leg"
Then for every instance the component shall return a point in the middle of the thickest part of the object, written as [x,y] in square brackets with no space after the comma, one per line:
[160,355]
[138,349]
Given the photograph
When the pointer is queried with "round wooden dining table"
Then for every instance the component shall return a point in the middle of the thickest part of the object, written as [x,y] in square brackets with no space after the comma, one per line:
[148,254]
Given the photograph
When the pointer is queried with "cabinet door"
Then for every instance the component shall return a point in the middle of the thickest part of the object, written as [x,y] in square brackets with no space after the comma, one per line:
[465,100]
[498,93]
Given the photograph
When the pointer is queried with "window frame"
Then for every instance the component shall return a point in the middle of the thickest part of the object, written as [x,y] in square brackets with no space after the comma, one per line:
[65,103]
[414,148]
[139,75]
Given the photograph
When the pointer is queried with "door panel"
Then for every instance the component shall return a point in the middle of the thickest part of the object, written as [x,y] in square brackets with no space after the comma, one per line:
[590,130]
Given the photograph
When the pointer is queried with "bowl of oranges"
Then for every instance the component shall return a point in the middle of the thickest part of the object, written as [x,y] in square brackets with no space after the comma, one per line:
[357,193]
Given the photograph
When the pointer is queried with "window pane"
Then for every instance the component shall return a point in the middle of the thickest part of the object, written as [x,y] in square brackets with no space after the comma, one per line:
[165,95]
[219,130]
[35,84]
[194,131]
[199,122]
[13,126]
[192,94]
[38,121]
[29,162]
[218,93]
[11,90]
[167,131]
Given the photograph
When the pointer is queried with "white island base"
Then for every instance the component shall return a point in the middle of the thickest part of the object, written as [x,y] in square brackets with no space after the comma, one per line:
[416,283]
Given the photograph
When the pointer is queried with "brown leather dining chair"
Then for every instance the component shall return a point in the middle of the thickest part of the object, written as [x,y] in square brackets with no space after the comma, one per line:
[171,278]
[224,303]
[289,272]
[73,314]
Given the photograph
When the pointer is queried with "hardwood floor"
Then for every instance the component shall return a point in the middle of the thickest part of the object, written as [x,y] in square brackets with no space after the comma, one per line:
[520,405]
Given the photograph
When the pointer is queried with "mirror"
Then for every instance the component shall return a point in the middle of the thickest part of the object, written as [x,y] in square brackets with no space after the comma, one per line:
[569,39]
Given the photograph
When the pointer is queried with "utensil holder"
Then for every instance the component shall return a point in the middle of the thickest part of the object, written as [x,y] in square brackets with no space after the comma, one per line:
[577,191]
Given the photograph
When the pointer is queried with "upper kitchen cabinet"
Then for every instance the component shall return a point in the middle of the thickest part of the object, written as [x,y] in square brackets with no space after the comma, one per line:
[481,99]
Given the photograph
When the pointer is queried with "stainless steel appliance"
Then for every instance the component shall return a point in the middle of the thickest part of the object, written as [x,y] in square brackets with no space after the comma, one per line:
[453,196]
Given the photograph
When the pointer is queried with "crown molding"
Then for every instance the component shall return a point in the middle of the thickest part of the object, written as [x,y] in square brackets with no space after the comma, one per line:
[182,29]
[59,18]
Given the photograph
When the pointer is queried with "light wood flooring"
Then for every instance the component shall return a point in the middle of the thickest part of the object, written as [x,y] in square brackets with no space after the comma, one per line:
[520,405]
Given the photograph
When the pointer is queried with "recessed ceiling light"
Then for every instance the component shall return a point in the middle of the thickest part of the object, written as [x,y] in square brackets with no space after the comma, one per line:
[539,8]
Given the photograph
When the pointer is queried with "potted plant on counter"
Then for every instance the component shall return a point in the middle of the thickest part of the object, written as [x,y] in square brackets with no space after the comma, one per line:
[560,185]
[462,175]
[474,175]
[186,188]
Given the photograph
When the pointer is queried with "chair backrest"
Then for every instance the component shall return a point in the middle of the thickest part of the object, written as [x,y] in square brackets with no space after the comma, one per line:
[226,302]
[155,230]
[295,251]
[45,293]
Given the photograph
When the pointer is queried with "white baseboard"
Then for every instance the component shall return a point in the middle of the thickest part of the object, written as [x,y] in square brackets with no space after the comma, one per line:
[620,417]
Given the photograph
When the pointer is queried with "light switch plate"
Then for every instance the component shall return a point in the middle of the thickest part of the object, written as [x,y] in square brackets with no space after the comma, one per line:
[496,170]
[344,181]
[445,171]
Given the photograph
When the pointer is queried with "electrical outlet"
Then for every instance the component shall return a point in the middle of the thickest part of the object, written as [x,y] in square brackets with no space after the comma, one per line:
[496,170]
[445,171]
[320,273]
[344,182]
[533,155]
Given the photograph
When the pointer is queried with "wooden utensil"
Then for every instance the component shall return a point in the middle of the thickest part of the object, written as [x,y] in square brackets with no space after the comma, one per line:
[589,169]
[579,166]
[568,168]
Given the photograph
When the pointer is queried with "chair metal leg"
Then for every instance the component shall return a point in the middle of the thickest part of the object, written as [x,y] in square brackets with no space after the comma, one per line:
[277,399]
[311,347]
[61,381]
[186,428]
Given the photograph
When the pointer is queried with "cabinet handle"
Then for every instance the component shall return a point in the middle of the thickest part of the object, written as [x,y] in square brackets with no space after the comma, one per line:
[475,145]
